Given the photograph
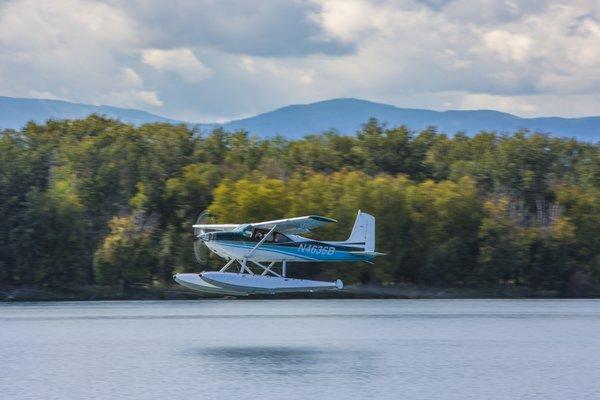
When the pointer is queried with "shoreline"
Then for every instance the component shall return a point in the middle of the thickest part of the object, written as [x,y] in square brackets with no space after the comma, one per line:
[175,292]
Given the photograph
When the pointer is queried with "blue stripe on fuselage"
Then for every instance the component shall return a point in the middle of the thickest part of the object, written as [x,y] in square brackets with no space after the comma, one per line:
[321,250]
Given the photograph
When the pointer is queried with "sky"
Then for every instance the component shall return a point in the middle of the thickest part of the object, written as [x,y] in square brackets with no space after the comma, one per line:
[214,60]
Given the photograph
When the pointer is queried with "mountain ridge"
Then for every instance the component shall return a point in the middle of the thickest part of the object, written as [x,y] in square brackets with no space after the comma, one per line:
[356,112]
[345,115]
[15,112]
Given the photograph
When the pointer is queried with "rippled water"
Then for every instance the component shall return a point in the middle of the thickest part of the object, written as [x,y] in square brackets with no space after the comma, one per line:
[301,349]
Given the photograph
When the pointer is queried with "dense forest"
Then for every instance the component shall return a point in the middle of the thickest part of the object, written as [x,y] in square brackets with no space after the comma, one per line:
[100,202]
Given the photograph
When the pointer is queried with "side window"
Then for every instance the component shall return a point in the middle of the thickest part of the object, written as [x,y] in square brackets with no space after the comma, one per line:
[275,237]
[280,238]
[258,234]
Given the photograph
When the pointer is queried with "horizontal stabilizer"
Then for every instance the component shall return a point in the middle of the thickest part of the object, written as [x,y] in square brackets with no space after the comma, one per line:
[367,253]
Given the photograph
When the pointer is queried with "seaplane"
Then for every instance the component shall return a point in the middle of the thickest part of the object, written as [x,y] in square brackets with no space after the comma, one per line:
[257,254]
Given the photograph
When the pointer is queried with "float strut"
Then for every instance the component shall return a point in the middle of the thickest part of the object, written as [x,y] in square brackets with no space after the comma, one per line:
[267,269]
[226,266]
[244,267]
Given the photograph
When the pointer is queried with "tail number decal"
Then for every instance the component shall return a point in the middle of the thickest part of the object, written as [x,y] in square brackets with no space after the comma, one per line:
[316,249]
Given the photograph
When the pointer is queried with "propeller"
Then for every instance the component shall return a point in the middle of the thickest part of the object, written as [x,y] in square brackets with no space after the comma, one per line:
[200,249]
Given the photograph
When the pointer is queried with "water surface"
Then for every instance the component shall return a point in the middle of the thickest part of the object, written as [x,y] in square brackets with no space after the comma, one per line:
[301,349]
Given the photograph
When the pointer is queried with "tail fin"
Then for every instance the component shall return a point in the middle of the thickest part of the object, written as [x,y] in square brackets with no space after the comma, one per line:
[363,231]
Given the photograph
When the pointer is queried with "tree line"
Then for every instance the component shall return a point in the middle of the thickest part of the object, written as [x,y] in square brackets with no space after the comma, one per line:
[99,202]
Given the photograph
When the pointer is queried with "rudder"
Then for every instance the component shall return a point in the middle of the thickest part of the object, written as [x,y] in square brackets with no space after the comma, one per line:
[363,231]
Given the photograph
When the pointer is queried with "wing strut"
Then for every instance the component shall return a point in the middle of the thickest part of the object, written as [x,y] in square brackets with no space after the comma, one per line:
[261,241]
[267,269]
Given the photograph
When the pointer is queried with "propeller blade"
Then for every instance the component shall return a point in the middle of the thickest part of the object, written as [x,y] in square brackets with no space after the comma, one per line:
[201,251]
[203,218]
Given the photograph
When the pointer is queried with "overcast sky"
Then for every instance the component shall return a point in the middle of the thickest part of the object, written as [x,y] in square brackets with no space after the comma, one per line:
[207,60]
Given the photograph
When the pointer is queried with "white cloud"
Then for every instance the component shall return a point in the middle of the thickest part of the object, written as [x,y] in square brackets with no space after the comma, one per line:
[468,51]
[62,25]
[70,49]
[131,78]
[523,56]
[509,46]
[530,105]
[512,104]
[132,98]
[43,95]
[277,71]
[349,20]
[181,61]
[149,97]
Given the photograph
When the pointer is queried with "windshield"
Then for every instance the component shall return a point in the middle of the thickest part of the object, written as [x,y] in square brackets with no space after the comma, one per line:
[241,228]
[245,229]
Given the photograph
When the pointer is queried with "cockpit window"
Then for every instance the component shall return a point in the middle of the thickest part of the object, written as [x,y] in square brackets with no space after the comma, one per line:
[258,234]
[245,229]
[280,238]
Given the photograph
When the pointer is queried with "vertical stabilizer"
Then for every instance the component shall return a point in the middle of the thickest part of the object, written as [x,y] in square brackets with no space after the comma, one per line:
[363,231]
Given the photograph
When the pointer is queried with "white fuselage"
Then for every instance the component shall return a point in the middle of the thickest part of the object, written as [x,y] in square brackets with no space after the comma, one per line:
[298,250]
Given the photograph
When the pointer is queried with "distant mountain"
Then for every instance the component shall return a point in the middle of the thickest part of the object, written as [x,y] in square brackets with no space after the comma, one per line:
[347,116]
[16,112]
[294,121]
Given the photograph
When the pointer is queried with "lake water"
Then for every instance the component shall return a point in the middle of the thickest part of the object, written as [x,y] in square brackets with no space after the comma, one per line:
[301,349]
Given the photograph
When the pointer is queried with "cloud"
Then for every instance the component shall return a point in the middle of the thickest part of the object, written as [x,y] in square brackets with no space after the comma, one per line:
[261,67]
[181,61]
[71,49]
[43,95]
[509,46]
[266,28]
[131,78]
[203,60]
[350,20]
[132,98]
[464,50]
[60,25]
[512,104]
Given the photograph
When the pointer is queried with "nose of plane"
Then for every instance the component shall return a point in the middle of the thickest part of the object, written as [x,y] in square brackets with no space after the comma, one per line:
[205,237]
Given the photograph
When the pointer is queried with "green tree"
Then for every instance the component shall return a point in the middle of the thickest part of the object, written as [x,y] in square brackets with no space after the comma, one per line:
[128,254]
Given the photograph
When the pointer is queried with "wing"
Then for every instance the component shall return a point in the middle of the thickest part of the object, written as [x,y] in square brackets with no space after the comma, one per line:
[215,227]
[295,225]
[201,225]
